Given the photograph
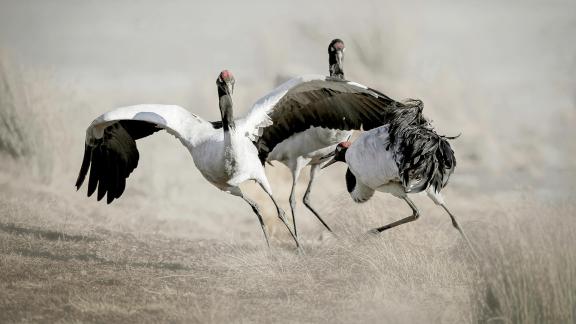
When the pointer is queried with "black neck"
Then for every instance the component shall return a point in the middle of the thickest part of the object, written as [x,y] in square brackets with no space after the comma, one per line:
[340,155]
[332,59]
[226,111]
[336,68]
[350,180]
[336,71]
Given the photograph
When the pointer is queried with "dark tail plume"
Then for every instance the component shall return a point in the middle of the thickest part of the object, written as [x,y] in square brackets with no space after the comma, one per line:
[424,157]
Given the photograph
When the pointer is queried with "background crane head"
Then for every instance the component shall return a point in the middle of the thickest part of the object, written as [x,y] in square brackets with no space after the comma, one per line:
[336,57]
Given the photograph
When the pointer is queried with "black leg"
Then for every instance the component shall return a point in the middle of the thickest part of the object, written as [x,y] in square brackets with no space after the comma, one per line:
[306,198]
[457,226]
[295,175]
[281,215]
[411,218]
[256,211]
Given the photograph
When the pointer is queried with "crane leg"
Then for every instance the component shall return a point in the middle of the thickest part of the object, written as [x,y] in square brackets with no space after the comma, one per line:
[295,175]
[280,212]
[306,199]
[411,218]
[457,226]
[255,209]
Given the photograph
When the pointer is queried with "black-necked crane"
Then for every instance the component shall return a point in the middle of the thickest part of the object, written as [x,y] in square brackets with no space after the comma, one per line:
[227,152]
[307,147]
[404,156]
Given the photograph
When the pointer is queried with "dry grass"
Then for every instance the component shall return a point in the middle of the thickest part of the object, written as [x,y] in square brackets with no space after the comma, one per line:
[105,275]
[529,274]
[13,140]
[35,119]
[57,265]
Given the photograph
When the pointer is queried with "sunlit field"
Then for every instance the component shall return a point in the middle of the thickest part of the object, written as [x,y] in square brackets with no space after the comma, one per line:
[176,249]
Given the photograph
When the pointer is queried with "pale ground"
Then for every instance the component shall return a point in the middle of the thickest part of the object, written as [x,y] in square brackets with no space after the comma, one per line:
[176,249]
[61,260]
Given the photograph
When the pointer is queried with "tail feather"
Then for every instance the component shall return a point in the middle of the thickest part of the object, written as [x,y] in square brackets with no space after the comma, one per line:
[425,159]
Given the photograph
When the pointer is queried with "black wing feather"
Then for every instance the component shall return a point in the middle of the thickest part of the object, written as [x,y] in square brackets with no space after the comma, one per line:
[216,124]
[112,158]
[330,103]
[93,180]
[111,176]
[85,166]
[102,181]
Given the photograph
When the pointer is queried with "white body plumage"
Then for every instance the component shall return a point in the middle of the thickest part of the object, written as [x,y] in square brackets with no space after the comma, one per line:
[228,152]
[224,166]
[374,164]
[311,144]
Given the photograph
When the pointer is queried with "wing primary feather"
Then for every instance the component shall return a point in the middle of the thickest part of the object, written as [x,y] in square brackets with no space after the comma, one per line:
[93,179]
[102,185]
[328,104]
[137,129]
[112,157]
[85,166]
[112,177]
[122,175]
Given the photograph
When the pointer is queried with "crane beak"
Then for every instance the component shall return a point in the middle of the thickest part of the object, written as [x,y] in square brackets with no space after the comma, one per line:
[326,157]
[329,163]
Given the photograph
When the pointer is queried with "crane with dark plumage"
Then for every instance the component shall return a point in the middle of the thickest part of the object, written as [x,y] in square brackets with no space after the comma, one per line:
[402,157]
[230,151]
[307,147]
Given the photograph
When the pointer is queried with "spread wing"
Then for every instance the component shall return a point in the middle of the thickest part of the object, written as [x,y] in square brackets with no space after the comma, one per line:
[315,101]
[110,152]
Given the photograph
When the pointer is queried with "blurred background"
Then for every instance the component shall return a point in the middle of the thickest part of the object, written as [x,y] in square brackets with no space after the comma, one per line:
[501,73]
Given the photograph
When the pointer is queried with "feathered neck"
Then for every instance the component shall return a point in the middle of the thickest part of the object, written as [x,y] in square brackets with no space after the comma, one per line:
[226,111]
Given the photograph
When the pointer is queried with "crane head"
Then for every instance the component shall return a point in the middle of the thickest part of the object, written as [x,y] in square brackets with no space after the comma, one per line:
[339,154]
[336,50]
[225,82]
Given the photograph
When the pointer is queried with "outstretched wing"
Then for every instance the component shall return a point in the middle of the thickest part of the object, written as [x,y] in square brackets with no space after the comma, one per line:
[110,152]
[315,101]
